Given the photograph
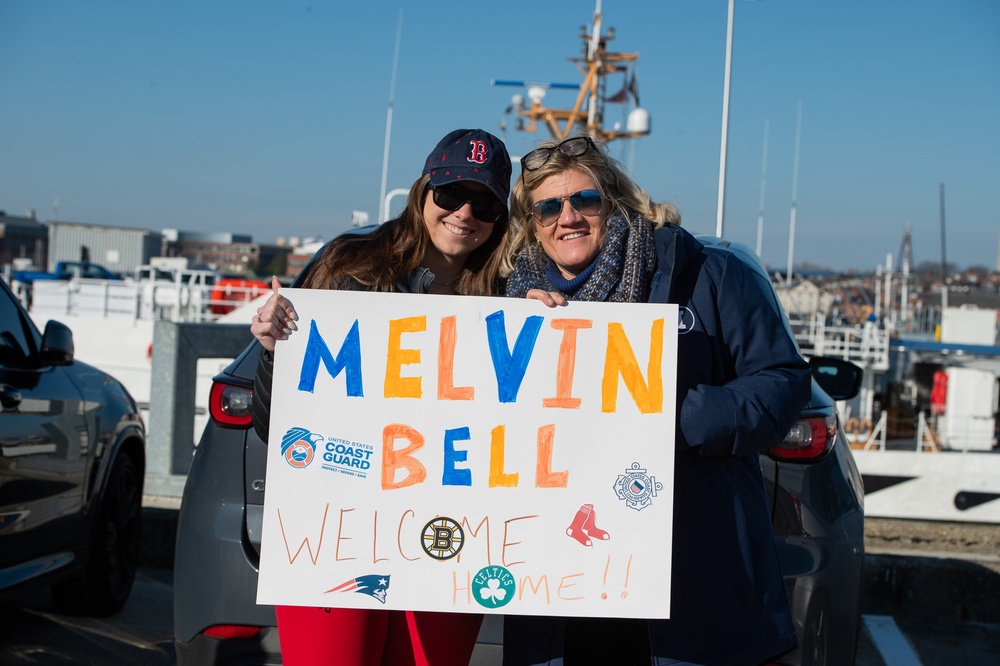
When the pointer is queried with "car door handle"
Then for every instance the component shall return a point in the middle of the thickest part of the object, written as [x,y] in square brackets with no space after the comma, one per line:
[10,397]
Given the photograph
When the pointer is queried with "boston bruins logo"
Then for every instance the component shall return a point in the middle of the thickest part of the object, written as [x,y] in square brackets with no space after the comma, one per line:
[443,538]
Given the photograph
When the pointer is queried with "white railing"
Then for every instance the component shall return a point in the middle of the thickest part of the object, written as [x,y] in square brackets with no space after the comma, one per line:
[146,300]
[866,345]
[926,439]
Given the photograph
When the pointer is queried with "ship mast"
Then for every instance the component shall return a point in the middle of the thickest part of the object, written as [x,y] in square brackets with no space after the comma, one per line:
[587,112]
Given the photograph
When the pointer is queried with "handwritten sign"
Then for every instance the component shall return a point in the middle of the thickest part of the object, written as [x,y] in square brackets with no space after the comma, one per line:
[471,454]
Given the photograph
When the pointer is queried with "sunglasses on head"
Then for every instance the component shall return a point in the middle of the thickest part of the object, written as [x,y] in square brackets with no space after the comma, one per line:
[485,206]
[537,158]
[585,202]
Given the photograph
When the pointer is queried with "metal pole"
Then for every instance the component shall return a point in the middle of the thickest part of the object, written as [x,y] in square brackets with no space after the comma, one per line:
[725,121]
[944,261]
[889,319]
[795,190]
[382,211]
[763,180]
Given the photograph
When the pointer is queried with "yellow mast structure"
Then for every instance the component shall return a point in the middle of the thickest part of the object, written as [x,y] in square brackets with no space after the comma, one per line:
[588,110]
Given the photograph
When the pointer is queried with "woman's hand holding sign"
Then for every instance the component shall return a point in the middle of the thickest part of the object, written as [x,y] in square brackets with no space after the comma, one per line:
[275,320]
[550,298]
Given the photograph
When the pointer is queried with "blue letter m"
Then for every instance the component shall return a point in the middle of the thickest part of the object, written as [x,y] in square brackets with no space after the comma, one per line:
[348,360]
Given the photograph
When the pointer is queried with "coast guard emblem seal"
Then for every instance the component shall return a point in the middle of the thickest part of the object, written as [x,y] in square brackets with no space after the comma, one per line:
[298,447]
[637,488]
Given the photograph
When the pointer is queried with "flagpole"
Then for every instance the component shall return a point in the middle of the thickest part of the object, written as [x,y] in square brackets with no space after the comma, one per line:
[383,204]
[795,195]
[725,122]
[763,181]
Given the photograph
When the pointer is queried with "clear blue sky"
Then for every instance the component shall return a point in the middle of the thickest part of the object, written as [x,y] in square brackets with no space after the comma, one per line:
[268,118]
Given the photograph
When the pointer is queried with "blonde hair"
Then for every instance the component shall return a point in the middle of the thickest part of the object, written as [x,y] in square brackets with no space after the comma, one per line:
[610,178]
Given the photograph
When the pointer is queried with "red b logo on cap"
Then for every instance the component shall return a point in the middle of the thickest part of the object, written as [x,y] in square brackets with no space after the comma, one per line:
[478,152]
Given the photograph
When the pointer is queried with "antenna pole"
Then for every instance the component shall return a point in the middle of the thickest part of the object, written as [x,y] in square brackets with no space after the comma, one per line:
[383,211]
[725,121]
[763,180]
[944,262]
[795,195]
[904,289]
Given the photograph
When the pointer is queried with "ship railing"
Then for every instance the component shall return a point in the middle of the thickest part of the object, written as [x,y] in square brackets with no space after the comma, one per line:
[134,300]
[867,345]
[926,438]
[876,436]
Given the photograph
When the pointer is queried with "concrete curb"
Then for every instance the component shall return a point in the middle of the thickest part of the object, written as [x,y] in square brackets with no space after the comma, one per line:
[932,588]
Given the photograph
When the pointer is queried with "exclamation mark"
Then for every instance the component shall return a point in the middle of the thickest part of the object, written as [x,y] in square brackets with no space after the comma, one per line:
[628,567]
[607,565]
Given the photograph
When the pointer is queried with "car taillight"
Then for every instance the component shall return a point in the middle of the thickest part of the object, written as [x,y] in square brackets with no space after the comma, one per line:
[232,631]
[808,440]
[230,406]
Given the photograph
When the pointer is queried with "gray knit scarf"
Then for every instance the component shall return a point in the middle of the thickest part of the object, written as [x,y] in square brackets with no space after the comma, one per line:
[621,273]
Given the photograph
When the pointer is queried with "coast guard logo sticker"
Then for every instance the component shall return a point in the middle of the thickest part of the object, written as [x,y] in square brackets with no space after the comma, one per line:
[493,587]
[346,457]
[298,447]
[637,488]
[685,320]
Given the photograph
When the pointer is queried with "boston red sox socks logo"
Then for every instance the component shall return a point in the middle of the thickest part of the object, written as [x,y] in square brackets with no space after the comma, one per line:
[583,527]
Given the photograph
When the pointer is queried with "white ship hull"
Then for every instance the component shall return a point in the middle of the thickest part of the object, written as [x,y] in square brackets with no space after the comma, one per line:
[921,485]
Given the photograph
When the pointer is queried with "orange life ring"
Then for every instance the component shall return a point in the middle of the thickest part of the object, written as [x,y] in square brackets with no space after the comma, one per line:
[230,292]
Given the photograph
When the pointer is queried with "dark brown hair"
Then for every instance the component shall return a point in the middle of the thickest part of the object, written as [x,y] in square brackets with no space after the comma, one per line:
[386,255]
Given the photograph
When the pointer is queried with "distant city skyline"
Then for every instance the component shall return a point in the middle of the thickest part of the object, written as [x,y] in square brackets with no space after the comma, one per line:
[270,119]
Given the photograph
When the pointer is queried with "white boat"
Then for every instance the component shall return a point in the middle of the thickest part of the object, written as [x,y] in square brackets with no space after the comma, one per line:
[942,465]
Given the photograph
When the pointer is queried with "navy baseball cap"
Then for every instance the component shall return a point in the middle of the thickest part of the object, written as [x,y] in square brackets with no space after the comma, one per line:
[471,154]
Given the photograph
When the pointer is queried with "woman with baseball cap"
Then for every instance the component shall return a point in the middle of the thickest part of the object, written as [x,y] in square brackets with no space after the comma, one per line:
[448,240]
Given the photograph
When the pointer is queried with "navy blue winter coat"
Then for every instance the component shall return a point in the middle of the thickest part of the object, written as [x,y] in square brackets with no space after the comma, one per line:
[741,385]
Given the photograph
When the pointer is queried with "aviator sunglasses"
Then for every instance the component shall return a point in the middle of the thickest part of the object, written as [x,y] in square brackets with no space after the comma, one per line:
[485,206]
[585,202]
[537,158]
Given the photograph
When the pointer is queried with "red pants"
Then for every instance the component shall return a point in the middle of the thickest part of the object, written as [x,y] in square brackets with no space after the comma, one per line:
[354,637]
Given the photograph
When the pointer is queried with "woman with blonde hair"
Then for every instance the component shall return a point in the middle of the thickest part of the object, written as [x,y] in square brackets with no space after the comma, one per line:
[582,230]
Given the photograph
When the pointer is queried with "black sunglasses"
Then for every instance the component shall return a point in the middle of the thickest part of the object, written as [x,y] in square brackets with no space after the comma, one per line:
[586,202]
[537,158]
[485,206]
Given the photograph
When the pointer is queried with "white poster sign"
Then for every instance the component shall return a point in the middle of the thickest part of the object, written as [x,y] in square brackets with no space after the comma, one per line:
[471,454]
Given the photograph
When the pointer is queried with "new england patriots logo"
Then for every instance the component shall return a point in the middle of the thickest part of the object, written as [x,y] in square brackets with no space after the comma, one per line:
[298,447]
[373,585]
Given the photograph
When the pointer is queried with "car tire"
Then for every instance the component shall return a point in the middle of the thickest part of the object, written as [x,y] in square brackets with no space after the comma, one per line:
[103,588]
[816,638]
